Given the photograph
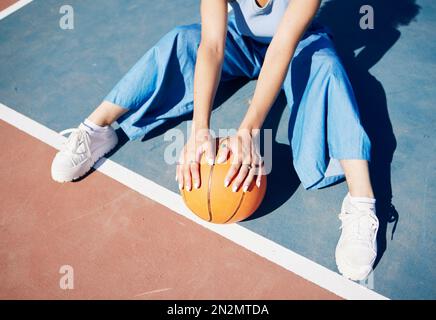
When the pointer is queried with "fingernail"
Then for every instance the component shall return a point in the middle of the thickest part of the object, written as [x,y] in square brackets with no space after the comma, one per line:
[180,186]
[245,188]
[210,161]
[188,187]
[226,183]
[220,160]
[258,184]
[196,184]
[235,187]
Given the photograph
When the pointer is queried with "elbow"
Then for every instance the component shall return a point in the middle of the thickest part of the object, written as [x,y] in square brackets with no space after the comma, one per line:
[214,49]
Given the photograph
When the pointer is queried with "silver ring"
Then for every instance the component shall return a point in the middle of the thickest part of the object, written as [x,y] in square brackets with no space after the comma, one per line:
[249,167]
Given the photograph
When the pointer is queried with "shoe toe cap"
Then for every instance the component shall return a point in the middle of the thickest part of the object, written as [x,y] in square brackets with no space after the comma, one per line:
[357,255]
[62,162]
[355,262]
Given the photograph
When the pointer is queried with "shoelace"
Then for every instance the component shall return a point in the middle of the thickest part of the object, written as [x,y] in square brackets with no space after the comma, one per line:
[362,224]
[77,137]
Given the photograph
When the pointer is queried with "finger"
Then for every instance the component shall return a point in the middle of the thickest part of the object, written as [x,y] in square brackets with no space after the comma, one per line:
[242,173]
[209,151]
[199,153]
[223,152]
[260,173]
[195,173]
[257,167]
[179,176]
[245,169]
[179,169]
[249,179]
[234,168]
[187,177]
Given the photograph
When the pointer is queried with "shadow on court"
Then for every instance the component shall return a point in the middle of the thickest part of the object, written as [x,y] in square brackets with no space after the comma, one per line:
[360,50]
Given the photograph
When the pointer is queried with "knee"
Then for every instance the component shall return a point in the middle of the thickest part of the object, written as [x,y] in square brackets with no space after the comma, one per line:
[186,32]
[184,37]
[328,60]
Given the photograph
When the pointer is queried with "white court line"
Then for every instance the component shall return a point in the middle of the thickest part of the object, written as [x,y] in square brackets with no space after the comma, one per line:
[14,7]
[250,240]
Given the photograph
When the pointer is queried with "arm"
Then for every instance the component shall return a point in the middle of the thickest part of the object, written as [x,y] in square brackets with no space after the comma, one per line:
[296,19]
[247,162]
[207,74]
[209,59]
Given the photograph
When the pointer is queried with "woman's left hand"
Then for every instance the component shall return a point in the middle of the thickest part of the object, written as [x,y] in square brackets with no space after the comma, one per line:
[246,162]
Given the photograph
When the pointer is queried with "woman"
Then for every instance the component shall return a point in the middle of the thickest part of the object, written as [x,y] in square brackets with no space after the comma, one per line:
[258,40]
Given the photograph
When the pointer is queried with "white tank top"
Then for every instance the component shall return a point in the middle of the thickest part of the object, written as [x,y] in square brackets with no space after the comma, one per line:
[259,23]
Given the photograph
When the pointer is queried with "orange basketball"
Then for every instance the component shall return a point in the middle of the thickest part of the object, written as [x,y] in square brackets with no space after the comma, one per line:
[216,203]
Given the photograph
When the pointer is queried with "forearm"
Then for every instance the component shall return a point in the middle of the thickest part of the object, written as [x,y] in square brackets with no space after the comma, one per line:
[277,59]
[206,79]
[268,86]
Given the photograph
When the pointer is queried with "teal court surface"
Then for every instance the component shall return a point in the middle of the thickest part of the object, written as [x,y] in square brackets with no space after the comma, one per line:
[129,209]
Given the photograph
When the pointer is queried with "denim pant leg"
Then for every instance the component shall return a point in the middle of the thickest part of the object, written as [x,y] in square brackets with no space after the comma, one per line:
[324,125]
[160,85]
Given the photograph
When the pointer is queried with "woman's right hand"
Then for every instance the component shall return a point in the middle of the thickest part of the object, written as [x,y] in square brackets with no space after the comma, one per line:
[188,168]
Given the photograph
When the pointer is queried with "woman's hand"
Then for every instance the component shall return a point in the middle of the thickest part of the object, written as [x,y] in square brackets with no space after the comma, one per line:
[188,168]
[246,162]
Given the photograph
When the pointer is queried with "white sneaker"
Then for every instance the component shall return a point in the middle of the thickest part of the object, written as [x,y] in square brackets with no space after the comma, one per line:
[84,147]
[356,250]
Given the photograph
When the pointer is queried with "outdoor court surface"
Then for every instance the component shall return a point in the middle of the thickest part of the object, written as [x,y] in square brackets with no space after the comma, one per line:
[125,230]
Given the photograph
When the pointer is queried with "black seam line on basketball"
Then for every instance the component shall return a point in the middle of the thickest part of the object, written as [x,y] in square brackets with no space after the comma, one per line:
[209,206]
[237,208]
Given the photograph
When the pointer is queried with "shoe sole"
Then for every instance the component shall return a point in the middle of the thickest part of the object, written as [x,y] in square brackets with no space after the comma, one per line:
[352,273]
[64,176]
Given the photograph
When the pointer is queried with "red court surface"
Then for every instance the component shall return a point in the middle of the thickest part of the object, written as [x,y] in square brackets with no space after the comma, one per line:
[120,244]
[6,3]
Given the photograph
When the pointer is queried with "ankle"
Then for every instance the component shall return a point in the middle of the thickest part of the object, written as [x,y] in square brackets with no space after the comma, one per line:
[361,194]
[93,128]
[106,113]
[98,122]
[362,202]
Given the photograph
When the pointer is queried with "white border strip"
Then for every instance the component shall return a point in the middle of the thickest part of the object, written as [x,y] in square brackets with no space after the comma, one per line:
[250,240]
[14,7]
